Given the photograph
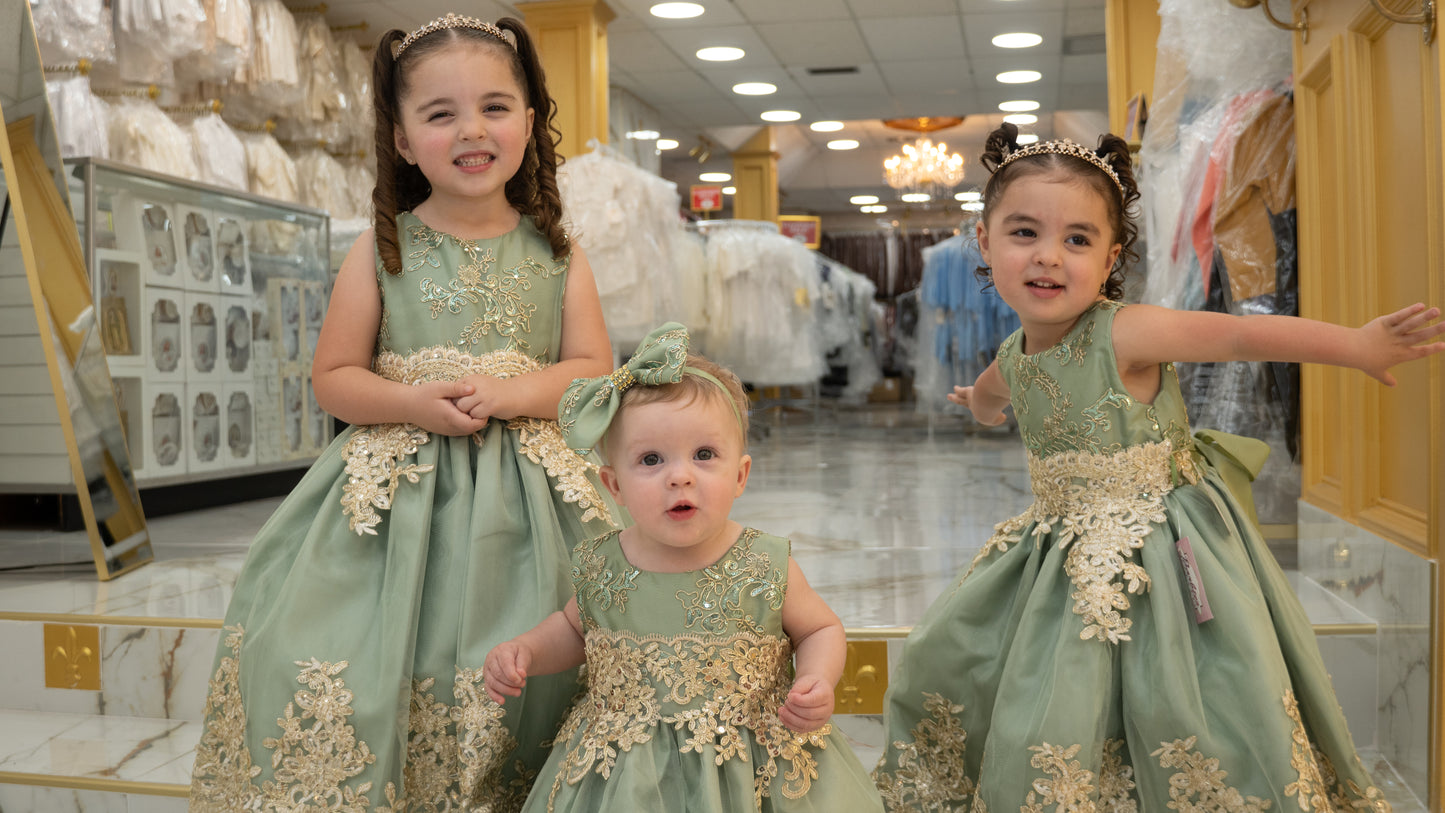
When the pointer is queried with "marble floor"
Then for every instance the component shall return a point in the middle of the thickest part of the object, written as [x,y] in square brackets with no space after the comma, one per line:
[884,506]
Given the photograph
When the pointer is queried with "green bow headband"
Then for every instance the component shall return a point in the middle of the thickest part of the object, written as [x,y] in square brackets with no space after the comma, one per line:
[589,404]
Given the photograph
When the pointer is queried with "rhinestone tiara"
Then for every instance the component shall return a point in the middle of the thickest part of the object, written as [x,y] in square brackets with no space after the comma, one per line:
[1065,147]
[451,20]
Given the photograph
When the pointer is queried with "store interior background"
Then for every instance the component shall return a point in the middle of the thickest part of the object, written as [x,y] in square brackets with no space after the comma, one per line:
[823,467]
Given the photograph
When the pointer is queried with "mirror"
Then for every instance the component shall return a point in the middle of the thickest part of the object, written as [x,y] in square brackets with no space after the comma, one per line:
[58,285]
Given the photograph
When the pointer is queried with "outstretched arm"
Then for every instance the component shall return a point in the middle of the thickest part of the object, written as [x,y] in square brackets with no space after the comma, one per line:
[550,647]
[819,651]
[585,352]
[1146,335]
[986,398]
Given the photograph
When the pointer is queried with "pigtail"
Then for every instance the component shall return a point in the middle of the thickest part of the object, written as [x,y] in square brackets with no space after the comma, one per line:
[1115,152]
[999,145]
[383,195]
[533,189]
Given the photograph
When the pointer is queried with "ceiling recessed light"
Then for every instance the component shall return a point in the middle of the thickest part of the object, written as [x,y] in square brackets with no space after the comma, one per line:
[1017,40]
[843,144]
[872,210]
[1019,77]
[781,115]
[916,197]
[676,11]
[643,135]
[720,53]
[714,177]
[1019,106]
[1021,118]
[730,190]
[666,144]
[754,88]
[826,126]
[973,206]
[968,196]
[1027,138]
[863,200]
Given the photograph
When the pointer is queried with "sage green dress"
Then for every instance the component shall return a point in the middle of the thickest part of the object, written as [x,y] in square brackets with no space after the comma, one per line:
[350,671]
[686,672]
[1069,667]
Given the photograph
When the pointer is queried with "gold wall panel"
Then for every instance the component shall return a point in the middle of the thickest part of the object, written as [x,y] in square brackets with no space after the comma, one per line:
[72,657]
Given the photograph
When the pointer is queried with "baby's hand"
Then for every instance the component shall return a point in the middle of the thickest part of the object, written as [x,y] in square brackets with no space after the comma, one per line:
[437,411]
[809,704]
[505,670]
[1396,338]
[963,396]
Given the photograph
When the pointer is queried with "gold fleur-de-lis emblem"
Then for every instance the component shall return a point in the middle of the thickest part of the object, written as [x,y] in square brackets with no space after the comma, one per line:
[72,657]
[865,679]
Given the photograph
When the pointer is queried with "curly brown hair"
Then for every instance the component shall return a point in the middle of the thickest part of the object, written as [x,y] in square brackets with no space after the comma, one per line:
[1121,204]
[401,186]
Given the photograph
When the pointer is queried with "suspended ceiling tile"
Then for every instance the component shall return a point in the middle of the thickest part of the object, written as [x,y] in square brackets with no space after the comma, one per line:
[906,38]
[806,11]
[815,44]
[928,75]
[659,88]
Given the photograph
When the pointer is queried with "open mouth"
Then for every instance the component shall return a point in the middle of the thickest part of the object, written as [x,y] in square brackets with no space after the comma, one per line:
[682,510]
[1045,284]
[474,161]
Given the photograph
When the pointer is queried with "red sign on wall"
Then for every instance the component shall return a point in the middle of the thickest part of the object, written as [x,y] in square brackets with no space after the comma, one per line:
[706,198]
[805,229]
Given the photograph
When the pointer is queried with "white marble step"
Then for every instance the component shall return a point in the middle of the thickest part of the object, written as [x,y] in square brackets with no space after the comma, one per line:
[106,755]
[150,671]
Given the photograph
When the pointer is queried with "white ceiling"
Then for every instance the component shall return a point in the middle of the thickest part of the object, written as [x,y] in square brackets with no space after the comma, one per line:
[912,58]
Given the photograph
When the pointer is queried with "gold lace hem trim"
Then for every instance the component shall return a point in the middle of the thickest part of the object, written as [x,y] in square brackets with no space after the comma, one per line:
[458,756]
[374,453]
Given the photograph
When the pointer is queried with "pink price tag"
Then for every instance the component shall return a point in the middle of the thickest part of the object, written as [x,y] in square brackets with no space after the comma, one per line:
[1197,597]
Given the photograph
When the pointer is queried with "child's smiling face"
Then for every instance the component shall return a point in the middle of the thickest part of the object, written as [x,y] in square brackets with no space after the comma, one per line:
[1050,246]
[677,466]
[464,120]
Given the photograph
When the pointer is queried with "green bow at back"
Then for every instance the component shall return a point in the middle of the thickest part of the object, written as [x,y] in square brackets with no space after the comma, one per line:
[588,405]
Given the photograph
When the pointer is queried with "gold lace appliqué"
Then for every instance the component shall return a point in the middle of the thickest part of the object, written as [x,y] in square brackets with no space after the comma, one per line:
[476,282]
[725,691]
[598,585]
[374,453]
[1318,788]
[455,754]
[1101,507]
[930,776]
[716,603]
[373,465]
[1198,783]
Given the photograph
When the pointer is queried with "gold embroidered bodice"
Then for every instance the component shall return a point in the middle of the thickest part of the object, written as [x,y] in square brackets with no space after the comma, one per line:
[697,661]
[1100,463]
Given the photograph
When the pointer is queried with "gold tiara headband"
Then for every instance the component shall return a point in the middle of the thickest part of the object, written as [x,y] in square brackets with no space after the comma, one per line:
[1065,147]
[452,21]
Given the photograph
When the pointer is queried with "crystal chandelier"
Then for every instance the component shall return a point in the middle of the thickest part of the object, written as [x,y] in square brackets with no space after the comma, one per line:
[924,168]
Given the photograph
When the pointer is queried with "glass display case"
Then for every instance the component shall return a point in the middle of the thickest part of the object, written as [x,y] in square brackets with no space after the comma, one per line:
[210,304]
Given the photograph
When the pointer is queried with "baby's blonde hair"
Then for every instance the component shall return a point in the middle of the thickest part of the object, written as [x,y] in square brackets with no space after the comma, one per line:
[691,388]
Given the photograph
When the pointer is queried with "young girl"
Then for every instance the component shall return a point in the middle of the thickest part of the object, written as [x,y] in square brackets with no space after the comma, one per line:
[438,525]
[1128,643]
[688,621]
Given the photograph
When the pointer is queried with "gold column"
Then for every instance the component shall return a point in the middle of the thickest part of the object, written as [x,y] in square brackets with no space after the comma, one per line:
[571,37]
[755,174]
[1131,37]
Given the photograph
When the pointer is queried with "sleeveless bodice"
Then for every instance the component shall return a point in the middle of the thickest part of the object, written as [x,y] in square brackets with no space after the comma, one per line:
[472,296]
